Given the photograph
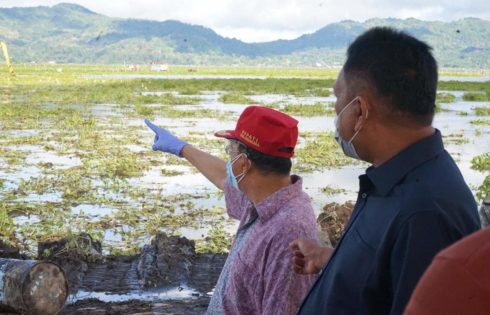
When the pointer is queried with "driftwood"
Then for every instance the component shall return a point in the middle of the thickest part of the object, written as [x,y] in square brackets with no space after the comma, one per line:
[32,287]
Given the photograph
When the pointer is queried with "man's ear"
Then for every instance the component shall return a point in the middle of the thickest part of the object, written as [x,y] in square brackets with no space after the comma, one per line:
[245,164]
[362,113]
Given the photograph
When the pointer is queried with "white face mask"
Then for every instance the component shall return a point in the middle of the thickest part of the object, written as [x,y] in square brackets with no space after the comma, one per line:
[347,146]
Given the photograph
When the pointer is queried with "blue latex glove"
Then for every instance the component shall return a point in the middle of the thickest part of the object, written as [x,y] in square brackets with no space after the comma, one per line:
[165,141]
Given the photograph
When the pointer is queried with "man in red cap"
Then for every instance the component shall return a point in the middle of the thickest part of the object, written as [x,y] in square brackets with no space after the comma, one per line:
[270,203]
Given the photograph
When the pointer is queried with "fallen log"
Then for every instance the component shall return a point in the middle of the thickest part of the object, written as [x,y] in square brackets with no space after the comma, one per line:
[32,287]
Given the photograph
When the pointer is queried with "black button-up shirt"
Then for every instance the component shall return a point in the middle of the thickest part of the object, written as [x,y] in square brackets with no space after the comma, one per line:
[407,210]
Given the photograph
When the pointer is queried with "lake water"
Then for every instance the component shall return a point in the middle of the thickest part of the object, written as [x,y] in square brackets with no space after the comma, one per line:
[450,122]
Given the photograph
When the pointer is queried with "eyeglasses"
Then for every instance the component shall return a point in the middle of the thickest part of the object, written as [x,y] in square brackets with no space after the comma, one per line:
[229,147]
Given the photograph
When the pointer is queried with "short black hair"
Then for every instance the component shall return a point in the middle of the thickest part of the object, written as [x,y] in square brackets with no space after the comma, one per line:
[266,164]
[400,67]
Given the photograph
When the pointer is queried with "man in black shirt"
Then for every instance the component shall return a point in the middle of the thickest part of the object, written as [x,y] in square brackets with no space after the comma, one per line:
[412,201]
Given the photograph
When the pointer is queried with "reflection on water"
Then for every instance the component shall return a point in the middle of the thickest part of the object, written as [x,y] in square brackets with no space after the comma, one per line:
[177,293]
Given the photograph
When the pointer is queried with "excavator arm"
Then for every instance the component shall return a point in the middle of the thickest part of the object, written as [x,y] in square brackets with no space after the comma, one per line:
[7,59]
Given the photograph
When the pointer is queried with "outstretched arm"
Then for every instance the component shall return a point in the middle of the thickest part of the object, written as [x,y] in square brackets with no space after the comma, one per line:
[209,165]
[212,167]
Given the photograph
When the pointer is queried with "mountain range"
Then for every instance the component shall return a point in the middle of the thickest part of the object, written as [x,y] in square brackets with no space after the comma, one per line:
[69,33]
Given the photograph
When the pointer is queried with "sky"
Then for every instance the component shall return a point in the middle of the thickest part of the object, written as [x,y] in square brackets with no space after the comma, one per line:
[267,20]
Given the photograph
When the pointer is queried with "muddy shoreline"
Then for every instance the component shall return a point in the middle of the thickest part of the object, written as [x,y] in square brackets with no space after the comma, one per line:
[166,277]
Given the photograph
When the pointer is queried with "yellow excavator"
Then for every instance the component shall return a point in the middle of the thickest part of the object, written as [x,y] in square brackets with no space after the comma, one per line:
[7,59]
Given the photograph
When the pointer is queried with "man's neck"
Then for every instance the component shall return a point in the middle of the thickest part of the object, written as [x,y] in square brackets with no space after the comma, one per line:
[261,187]
[396,141]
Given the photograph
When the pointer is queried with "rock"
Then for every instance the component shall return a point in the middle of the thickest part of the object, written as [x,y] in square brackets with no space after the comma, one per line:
[166,261]
[332,220]
[9,251]
[485,212]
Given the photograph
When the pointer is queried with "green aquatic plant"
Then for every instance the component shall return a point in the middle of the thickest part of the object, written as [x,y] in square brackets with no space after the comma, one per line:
[481,162]
[480,122]
[331,190]
[235,99]
[218,241]
[7,227]
[475,97]
[455,138]
[307,110]
[320,151]
[482,111]
[484,189]
[445,98]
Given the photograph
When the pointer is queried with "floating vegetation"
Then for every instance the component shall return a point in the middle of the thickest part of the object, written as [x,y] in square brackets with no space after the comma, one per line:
[235,99]
[445,98]
[320,151]
[218,241]
[484,189]
[317,109]
[455,138]
[7,228]
[331,190]
[167,99]
[168,173]
[482,111]
[475,97]
[480,122]
[481,163]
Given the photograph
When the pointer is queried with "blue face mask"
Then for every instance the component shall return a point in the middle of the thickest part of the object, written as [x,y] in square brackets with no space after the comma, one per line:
[234,180]
[347,146]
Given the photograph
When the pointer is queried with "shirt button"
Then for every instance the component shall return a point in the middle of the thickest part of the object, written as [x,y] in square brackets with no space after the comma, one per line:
[364,195]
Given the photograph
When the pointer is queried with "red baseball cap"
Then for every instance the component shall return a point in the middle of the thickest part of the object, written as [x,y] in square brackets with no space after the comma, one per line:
[265,130]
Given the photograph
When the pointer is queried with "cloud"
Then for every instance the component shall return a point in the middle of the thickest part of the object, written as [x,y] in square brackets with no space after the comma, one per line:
[262,20]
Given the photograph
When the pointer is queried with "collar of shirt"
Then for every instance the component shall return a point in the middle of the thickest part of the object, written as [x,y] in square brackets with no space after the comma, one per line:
[270,205]
[387,175]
